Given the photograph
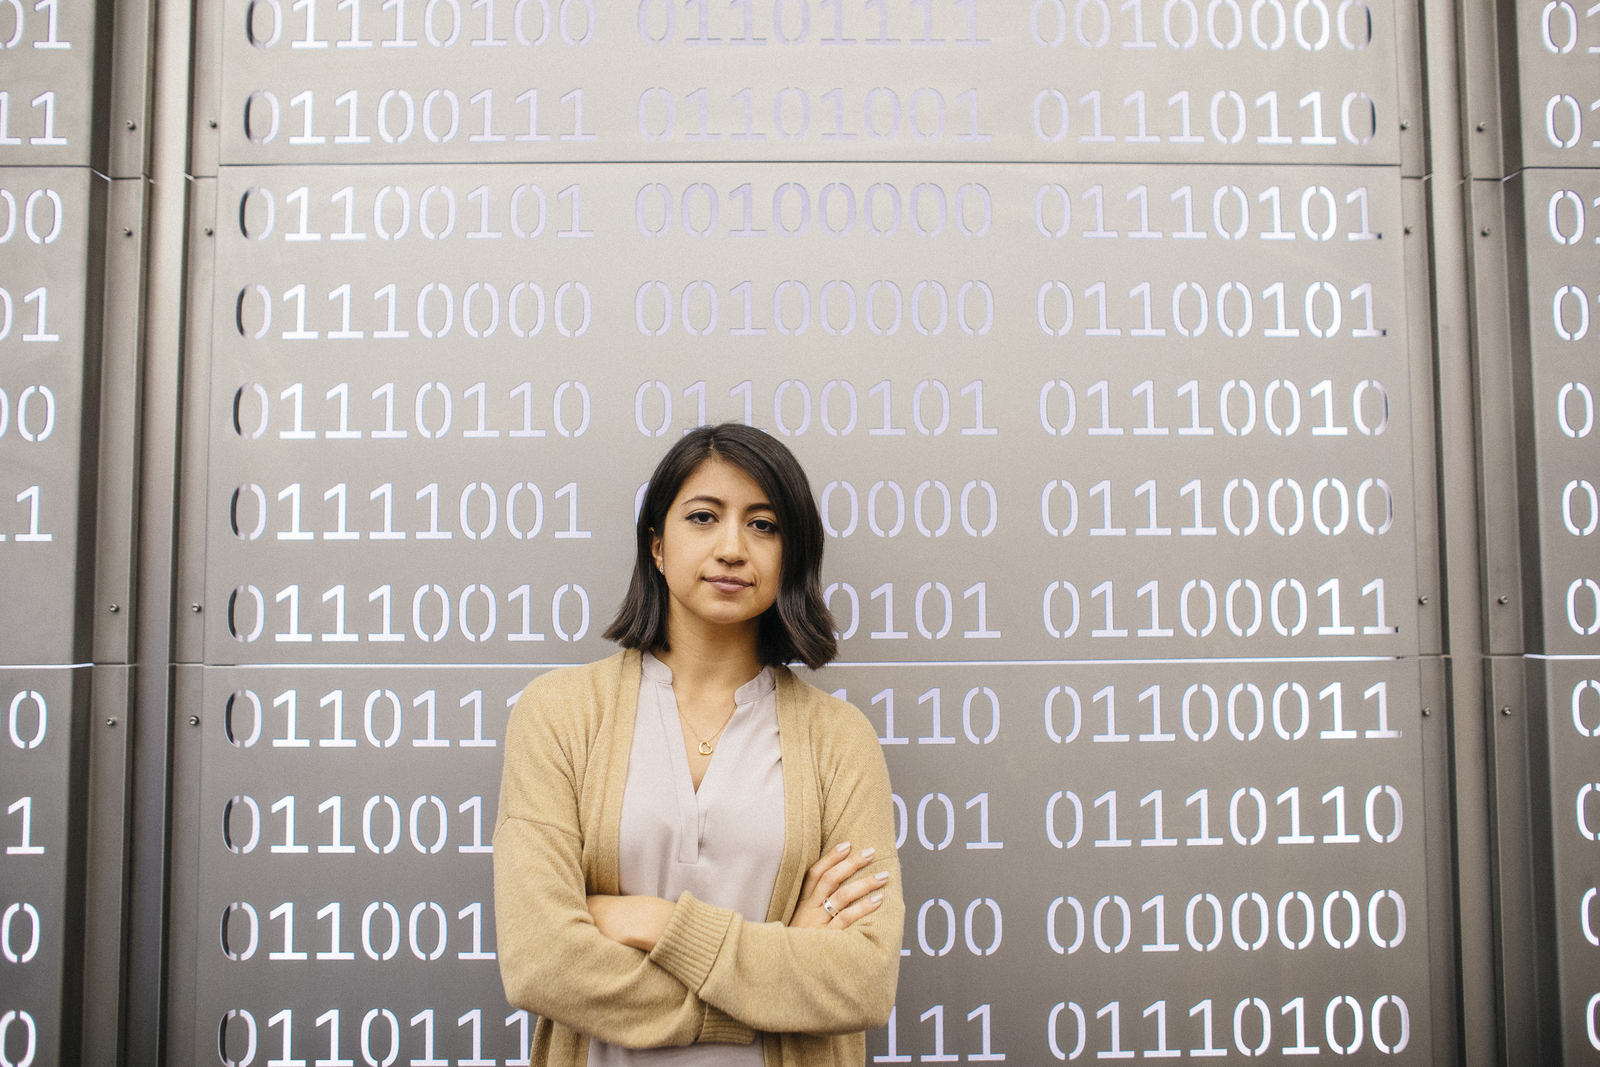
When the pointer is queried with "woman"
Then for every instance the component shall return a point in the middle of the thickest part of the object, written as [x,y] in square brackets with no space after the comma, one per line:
[695,848]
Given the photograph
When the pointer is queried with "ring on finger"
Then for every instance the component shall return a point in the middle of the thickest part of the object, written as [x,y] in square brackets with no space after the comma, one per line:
[829,907]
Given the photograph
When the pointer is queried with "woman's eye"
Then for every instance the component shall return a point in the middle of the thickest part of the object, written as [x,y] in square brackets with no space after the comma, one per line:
[702,518]
[765,526]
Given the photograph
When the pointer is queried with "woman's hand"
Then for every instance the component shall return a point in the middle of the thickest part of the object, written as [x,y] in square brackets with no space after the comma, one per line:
[823,883]
[637,922]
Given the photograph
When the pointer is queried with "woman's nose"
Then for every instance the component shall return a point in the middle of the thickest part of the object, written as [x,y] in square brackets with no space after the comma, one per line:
[730,544]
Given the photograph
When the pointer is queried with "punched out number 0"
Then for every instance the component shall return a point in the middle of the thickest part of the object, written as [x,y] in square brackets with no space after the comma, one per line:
[1558,26]
[264,24]
[945,811]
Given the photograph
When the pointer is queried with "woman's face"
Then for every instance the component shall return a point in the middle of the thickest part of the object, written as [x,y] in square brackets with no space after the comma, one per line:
[719,547]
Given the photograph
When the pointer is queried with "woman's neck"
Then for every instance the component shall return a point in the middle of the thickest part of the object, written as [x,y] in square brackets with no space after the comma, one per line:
[711,659]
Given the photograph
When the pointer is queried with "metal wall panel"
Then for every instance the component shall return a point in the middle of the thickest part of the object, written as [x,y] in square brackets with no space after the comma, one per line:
[53,206]
[1002,822]
[1094,410]
[1230,82]
[1509,576]
[49,84]
[46,720]
[1553,266]
[1562,265]
[1084,895]
[1557,82]
[1533,266]
[1301,348]
[52,236]
[427,869]
[1570,705]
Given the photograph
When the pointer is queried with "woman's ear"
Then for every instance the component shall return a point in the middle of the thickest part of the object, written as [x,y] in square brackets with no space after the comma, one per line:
[655,550]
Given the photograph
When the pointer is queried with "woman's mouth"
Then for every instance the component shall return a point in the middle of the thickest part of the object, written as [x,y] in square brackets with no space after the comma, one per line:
[727,583]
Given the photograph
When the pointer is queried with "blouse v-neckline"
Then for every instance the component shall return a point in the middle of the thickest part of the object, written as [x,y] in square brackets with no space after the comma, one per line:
[802,812]
[694,803]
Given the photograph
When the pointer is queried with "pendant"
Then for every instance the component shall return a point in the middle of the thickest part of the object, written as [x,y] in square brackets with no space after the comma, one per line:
[705,748]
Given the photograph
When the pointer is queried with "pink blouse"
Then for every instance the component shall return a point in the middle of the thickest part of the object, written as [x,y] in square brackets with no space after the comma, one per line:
[722,843]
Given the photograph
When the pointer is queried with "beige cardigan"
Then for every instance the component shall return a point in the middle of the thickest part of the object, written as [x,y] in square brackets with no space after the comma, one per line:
[714,976]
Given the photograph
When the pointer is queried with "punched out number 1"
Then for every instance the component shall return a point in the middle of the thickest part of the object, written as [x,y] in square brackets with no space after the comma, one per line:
[25,847]
[935,1015]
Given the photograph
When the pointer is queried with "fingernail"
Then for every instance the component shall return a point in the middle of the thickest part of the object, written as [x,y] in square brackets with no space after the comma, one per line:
[844,846]
[867,853]
[876,898]
[882,876]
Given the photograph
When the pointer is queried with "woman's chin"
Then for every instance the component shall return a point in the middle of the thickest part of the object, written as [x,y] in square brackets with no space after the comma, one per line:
[727,611]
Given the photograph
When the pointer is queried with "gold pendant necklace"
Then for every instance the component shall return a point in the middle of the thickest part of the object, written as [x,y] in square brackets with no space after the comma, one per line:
[706,746]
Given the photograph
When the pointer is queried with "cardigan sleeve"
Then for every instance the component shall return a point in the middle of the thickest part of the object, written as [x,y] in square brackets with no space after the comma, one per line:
[554,961]
[816,981]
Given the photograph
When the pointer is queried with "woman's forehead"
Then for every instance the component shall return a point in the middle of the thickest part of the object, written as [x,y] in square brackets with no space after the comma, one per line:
[724,482]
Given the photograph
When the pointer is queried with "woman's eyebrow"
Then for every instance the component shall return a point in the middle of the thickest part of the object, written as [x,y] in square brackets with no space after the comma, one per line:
[706,498]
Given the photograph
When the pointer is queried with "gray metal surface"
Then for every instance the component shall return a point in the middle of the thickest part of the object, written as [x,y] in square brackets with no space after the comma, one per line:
[106,860]
[1411,73]
[1569,706]
[1551,266]
[966,130]
[1504,397]
[1557,84]
[1432,638]
[1007,653]
[117,421]
[54,243]
[1099,382]
[895,309]
[797,81]
[1031,880]
[49,84]
[1483,58]
[1562,265]
[997,863]
[1522,121]
[1518,825]
[44,278]
[46,722]
[143,1024]
[243,878]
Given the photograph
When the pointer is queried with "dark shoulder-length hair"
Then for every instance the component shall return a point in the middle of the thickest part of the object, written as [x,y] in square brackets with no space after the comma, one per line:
[798,626]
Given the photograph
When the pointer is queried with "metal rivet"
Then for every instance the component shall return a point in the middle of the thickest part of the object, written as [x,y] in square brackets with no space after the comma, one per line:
[1506,710]
[195,608]
[1426,712]
[1422,599]
[130,125]
[1405,125]
[1505,600]
[126,232]
[208,231]
[1484,231]
[115,608]
[194,720]
[212,123]
[1411,229]
[1482,126]
[111,722]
